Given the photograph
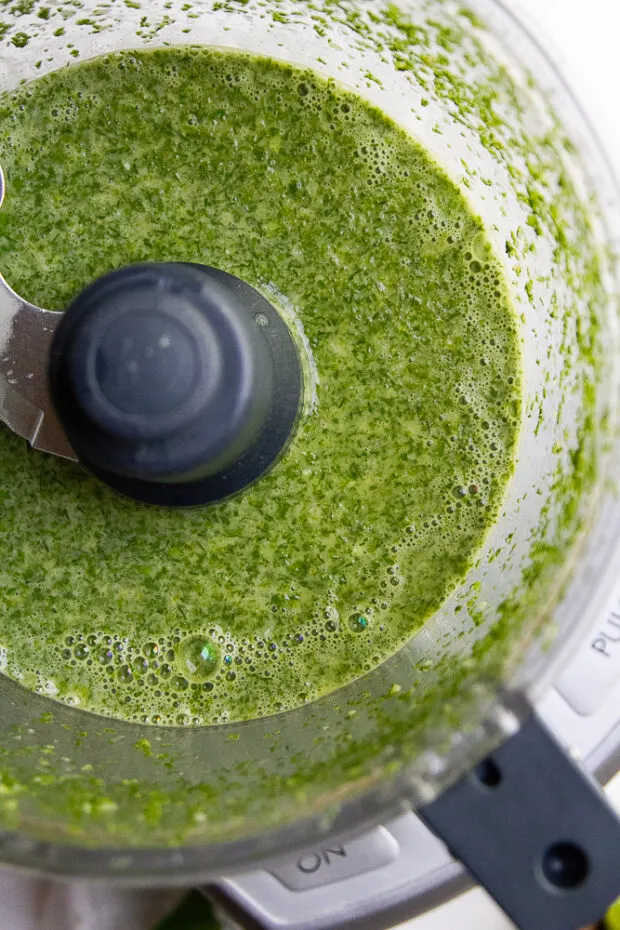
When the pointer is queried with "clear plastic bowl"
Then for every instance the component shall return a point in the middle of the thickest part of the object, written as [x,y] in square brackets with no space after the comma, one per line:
[77,795]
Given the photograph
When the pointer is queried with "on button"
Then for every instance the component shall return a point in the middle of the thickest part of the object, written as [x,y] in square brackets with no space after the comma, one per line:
[335,861]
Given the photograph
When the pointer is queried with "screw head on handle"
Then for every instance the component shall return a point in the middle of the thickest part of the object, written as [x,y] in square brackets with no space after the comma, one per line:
[176,384]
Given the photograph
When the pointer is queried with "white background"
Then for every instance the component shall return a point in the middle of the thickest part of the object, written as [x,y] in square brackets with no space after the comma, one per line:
[582,36]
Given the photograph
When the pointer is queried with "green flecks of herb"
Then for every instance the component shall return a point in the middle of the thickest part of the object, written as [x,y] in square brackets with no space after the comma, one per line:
[20,39]
[22,7]
[471,16]
[157,27]
[534,221]
[154,808]
[144,746]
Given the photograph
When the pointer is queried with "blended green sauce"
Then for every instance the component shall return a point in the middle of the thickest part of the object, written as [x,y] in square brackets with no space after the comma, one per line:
[330,563]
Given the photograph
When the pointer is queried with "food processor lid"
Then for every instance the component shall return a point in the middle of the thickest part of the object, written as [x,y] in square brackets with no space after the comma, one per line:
[175,384]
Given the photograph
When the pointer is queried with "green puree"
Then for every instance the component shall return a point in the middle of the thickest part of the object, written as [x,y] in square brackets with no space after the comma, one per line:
[330,563]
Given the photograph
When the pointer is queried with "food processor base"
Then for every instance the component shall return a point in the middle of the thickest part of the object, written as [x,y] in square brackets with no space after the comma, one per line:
[401,870]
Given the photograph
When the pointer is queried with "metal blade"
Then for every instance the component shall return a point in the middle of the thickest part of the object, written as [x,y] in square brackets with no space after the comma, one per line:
[26,334]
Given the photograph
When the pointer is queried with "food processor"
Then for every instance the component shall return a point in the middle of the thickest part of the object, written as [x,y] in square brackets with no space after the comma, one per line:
[87,796]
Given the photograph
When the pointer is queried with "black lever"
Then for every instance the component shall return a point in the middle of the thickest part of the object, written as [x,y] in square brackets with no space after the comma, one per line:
[536,831]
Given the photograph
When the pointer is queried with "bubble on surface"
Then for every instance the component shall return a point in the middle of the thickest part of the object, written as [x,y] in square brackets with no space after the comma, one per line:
[358,623]
[125,674]
[198,657]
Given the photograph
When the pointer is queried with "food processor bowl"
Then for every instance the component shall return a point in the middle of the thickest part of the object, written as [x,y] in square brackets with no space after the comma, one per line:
[83,795]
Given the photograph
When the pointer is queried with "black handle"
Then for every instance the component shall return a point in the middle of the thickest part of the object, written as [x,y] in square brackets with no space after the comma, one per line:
[176,384]
[536,831]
